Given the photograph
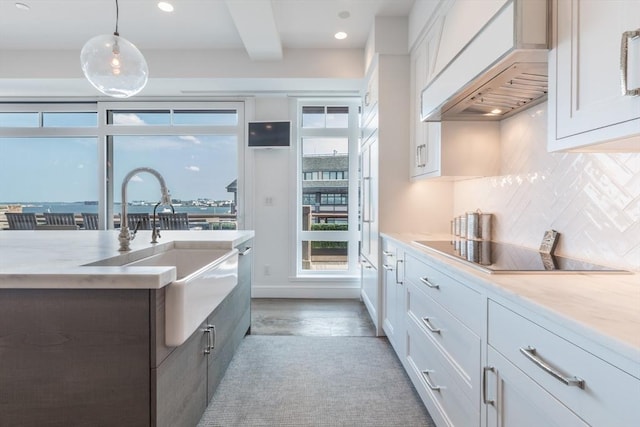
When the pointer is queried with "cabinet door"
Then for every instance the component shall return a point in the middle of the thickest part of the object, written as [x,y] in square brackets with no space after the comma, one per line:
[418,128]
[228,325]
[585,75]
[390,295]
[515,400]
[370,292]
[180,395]
[425,138]
[369,200]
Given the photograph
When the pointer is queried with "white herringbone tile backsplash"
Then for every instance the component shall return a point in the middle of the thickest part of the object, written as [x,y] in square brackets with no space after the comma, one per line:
[592,200]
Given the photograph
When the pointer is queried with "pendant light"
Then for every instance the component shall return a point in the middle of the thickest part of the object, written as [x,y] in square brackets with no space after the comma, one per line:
[113,65]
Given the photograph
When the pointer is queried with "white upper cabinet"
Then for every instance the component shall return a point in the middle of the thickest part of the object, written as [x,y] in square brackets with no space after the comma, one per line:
[447,149]
[596,45]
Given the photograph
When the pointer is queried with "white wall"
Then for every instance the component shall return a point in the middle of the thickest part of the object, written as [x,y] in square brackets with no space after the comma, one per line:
[593,200]
[270,176]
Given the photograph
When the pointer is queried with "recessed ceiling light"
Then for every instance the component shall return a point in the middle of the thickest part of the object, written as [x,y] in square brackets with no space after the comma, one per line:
[340,35]
[165,6]
[22,6]
[496,111]
[344,14]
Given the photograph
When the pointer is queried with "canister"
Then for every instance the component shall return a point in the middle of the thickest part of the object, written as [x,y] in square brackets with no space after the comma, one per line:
[473,225]
[456,226]
[463,226]
[485,226]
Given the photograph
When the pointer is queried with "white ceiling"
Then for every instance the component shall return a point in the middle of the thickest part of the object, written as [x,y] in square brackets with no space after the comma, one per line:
[260,26]
[39,47]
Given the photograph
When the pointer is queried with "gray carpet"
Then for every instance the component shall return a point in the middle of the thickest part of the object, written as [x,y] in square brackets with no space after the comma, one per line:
[315,381]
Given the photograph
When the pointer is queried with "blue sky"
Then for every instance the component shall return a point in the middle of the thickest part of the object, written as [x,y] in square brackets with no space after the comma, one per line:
[66,169]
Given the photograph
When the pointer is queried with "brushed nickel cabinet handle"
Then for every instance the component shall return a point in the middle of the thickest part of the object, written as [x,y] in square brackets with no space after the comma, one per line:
[245,251]
[212,336]
[425,375]
[531,354]
[210,330]
[624,62]
[427,323]
[207,348]
[484,385]
[426,281]
[387,253]
[387,267]
[398,262]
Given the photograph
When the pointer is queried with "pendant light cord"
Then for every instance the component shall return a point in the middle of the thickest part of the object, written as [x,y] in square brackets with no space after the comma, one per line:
[117,13]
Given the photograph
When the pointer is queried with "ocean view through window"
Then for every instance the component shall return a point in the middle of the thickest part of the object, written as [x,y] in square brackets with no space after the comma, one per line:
[60,158]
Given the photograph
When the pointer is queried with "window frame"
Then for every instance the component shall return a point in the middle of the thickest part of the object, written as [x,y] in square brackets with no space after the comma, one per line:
[352,235]
[103,133]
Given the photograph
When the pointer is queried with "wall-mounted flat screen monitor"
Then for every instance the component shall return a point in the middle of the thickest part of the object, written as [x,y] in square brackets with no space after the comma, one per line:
[269,134]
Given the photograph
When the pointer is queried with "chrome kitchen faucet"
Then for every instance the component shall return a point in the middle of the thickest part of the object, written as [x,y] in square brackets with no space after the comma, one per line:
[125,235]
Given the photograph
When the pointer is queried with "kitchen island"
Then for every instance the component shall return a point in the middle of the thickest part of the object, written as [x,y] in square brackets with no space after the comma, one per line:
[82,336]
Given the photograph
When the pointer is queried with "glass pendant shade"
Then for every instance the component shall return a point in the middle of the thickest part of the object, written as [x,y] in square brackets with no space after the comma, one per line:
[114,66]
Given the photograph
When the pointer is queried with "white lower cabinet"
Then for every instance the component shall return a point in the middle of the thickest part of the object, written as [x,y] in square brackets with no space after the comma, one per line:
[513,399]
[534,365]
[443,354]
[434,378]
[393,296]
[369,293]
[479,357]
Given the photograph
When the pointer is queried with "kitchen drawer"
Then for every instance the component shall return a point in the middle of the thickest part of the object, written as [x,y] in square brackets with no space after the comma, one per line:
[433,379]
[461,301]
[454,339]
[610,397]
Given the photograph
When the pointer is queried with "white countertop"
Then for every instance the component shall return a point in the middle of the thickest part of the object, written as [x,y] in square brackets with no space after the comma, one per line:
[608,304]
[57,259]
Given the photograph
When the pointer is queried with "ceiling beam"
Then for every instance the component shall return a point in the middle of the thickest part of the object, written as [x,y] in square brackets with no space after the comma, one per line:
[256,25]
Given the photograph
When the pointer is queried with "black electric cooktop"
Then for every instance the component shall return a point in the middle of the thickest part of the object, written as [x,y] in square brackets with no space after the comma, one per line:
[495,257]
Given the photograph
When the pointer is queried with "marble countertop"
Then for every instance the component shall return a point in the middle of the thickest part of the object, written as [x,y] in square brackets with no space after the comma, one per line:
[608,304]
[58,259]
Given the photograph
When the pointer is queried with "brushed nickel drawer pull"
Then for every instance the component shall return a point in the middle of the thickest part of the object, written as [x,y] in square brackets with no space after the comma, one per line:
[387,253]
[425,375]
[387,267]
[427,323]
[245,251]
[530,353]
[428,283]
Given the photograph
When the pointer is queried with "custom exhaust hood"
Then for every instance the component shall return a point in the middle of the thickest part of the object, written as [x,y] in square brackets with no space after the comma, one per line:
[500,72]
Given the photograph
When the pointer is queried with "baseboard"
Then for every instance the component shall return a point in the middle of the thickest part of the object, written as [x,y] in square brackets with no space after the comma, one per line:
[306,291]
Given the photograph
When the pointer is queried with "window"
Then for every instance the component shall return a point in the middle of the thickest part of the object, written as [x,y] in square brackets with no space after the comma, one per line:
[61,158]
[194,146]
[48,158]
[327,227]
